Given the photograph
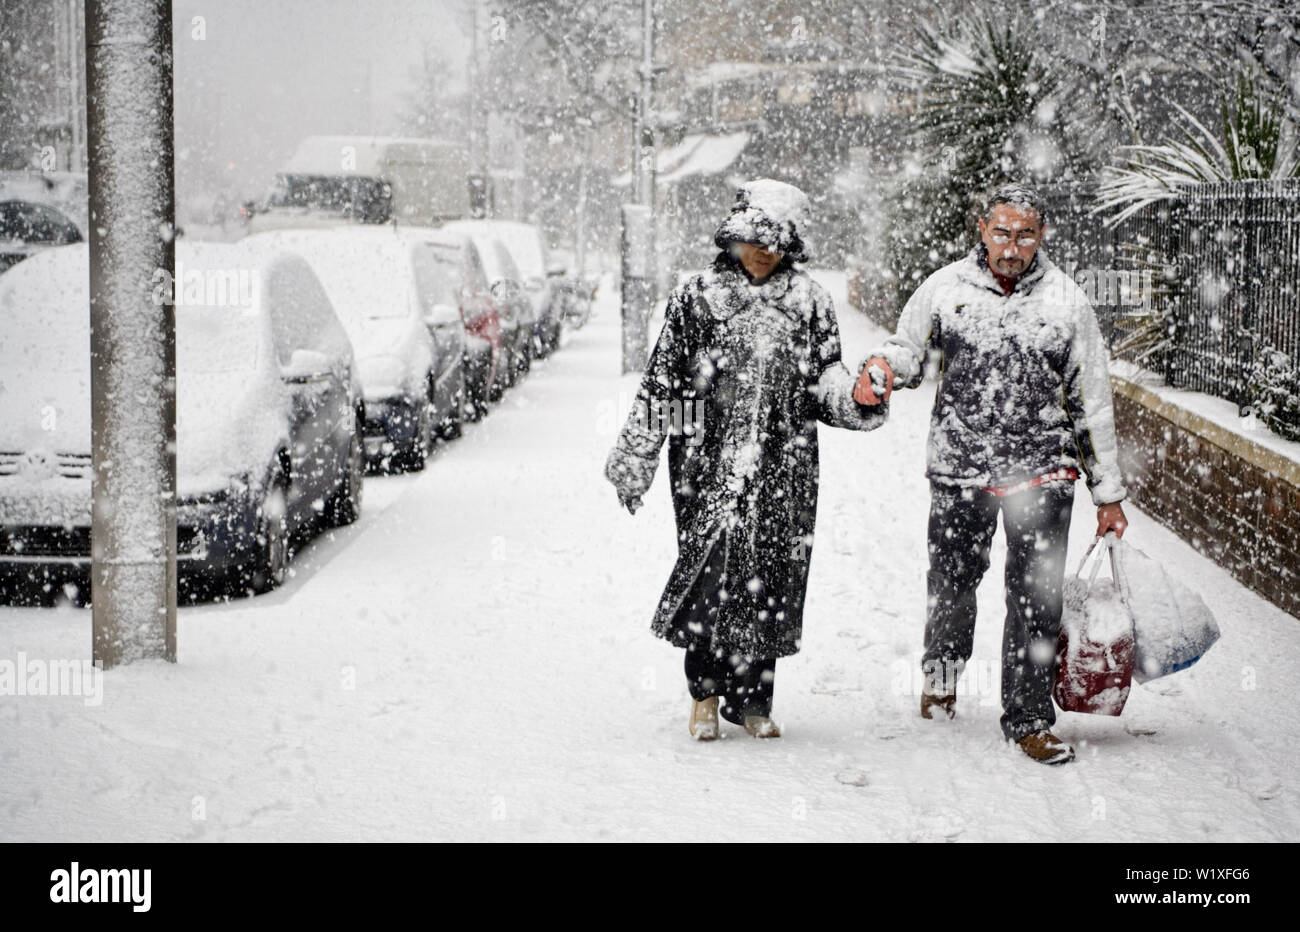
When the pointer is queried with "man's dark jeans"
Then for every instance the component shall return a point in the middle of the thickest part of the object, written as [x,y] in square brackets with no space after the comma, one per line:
[1036,522]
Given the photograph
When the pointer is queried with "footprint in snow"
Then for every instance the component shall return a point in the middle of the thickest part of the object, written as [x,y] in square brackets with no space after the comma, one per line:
[834,690]
[852,777]
[890,732]
[1269,791]
[940,826]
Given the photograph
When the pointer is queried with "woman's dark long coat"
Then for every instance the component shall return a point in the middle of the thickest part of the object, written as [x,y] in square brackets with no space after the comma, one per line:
[739,378]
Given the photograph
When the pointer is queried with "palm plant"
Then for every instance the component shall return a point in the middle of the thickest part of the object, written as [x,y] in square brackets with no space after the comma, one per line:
[988,109]
[1257,142]
[1144,336]
[980,88]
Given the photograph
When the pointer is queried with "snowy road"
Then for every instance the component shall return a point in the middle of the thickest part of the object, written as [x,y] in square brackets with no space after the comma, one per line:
[472,661]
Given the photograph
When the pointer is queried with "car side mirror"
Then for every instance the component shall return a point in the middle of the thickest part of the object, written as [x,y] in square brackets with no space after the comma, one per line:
[441,315]
[306,365]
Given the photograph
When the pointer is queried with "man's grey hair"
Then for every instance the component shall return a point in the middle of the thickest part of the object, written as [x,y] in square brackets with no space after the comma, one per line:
[1016,195]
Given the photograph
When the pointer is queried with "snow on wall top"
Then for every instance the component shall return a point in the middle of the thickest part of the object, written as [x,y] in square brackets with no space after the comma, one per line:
[522,239]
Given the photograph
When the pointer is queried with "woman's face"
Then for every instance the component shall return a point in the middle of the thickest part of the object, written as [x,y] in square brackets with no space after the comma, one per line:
[758,262]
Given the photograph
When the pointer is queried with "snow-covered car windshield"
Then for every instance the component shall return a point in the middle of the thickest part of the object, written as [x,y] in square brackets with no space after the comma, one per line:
[526,248]
[437,275]
[365,280]
[497,262]
[217,340]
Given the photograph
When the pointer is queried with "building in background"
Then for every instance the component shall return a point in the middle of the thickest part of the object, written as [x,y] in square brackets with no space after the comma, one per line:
[42,78]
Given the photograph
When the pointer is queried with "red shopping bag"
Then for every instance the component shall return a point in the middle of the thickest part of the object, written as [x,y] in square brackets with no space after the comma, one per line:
[1096,650]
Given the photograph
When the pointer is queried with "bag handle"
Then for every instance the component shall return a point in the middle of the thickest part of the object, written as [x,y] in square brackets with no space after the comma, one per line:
[1096,567]
[1117,568]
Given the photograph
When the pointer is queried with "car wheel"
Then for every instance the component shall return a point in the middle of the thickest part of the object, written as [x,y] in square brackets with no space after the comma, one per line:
[473,401]
[272,562]
[450,429]
[474,406]
[345,505]
[497,387]
[413,458]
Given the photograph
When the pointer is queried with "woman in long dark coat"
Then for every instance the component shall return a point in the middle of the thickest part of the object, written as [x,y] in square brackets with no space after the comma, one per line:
[748,362]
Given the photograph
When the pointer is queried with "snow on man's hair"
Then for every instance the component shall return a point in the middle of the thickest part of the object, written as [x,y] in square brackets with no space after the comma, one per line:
[1017,195]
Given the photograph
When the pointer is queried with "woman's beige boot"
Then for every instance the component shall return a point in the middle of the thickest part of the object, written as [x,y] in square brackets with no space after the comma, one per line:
[704,719]
[761,727]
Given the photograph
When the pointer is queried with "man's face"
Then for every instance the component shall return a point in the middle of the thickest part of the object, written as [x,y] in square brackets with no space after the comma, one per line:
[1012,236]
[758,261]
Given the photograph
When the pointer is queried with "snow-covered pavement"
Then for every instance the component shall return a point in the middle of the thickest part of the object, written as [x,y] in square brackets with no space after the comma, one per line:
[472,661]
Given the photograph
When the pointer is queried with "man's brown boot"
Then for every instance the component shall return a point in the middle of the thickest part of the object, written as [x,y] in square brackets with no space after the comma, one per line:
[946,702]
[1046,748]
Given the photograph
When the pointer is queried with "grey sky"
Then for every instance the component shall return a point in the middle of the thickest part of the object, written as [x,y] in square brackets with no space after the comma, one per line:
[267,72]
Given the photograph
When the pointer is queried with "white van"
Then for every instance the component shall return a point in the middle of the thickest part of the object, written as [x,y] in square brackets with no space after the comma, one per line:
[334,180]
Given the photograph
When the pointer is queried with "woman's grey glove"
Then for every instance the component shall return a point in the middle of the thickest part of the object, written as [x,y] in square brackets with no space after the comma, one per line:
[631,476]
[630,502]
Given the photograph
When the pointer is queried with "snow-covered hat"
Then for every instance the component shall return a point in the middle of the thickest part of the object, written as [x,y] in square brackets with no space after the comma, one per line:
[772,214]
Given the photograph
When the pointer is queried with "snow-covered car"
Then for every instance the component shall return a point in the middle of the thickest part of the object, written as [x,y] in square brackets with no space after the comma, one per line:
[27,227]
[505,284]
[538,276]
[406,335]
[452,267]
[513,308]
[38,210]
[268,416]
[576,293]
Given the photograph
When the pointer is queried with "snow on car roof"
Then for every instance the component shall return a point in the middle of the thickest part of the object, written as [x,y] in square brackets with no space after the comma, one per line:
[365,270]
[522,239]
[45,306]
[437,236]
[225,364]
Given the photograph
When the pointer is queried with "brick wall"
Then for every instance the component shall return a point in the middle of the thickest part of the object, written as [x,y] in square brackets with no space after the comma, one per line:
[1233,500]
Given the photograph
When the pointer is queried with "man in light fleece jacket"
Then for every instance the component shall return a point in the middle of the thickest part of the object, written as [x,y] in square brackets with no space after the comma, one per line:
[1023,403]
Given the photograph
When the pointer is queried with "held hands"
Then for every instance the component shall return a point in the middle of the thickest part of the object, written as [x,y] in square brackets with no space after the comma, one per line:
[1111,518]
[630,502]
[875,384]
